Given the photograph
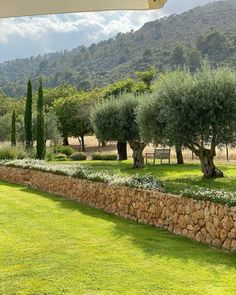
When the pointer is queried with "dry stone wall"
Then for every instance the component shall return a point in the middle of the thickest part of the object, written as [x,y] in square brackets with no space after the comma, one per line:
[203,221]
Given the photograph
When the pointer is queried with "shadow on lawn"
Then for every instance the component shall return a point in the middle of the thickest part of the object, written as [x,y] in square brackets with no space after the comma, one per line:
[178,184]
[152,241]
[125,167]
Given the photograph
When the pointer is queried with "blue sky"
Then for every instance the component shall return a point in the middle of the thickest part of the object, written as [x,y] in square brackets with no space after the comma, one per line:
[27,36]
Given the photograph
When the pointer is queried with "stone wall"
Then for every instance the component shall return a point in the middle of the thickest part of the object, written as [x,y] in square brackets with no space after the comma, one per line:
[203,221]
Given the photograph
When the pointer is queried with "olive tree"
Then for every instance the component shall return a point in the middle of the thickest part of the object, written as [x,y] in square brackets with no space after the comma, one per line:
[73,115]
[198,111]
[115,119]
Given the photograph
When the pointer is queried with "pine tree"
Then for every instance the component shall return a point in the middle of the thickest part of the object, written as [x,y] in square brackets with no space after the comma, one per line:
[40,148]
[13,129]
[28,117]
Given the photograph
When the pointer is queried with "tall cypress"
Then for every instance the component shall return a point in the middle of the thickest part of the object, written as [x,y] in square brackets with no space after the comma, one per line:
[13,129]
[28,117]
[40,147]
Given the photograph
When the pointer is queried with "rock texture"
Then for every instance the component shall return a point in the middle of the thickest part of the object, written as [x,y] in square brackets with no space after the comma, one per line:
[203,221]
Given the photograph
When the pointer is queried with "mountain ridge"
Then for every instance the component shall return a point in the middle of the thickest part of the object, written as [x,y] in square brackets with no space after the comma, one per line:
[165,43]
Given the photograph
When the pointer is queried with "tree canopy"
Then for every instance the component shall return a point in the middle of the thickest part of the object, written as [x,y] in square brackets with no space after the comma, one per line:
[198,111]
[115,119]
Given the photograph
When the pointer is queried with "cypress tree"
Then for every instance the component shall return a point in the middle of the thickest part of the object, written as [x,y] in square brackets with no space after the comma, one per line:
[28,117]
[13,129]
[40,148]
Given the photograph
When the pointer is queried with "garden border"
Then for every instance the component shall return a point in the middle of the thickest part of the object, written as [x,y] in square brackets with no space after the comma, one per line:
[203,221]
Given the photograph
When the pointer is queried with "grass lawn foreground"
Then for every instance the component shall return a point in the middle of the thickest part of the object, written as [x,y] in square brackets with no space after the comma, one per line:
[51,245]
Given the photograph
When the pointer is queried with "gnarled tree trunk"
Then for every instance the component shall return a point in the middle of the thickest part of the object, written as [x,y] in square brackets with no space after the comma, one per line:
[209,169]
[137,147]
[179,154]
[82,144]
[122,150]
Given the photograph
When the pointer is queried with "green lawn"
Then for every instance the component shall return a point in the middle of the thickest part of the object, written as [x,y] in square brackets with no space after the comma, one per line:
[51,245]
[176,177]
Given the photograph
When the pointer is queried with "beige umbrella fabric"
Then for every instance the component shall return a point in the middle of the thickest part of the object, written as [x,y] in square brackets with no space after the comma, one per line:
[13,8]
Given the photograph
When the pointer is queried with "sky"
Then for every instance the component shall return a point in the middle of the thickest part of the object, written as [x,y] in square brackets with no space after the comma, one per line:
[30,36]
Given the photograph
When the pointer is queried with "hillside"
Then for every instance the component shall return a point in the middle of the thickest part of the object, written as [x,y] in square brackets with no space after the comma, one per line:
[203,32]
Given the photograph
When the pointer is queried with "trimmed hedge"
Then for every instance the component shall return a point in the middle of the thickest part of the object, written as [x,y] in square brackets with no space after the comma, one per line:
[78,157]
[60,157]
[61,149]
[104,157]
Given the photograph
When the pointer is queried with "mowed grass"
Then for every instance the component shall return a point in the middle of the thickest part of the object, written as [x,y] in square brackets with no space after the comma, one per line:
[176,177]
[51,245]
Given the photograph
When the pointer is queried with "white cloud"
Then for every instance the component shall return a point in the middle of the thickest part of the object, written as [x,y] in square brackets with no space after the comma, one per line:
[21,37]
[105,24]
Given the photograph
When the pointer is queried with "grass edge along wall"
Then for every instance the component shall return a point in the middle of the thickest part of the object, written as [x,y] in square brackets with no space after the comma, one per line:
[203,221]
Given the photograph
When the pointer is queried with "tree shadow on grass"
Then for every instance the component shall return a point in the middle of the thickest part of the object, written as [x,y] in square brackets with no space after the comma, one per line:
[178,184]
[152,241]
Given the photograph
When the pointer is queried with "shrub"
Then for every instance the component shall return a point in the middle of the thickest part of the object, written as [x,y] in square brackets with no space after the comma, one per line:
[22,154]
[67,150]
[7,153]
[145,182]
[217,196]
[50,156]
[82,172]
[104,157]
[78,157]
[61,157]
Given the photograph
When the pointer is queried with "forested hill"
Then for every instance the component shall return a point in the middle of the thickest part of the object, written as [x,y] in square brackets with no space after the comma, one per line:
[204,32]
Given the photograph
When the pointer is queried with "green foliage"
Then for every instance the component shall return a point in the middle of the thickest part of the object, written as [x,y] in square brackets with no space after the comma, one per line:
[212,42]
[50,155]
[78,157]
[73,114]
[120,57]
[190,108]
[51,129]
[217,196]
[12,152]
[195,60]
[197,111]
[61,91]
[7,153]
[5,127]
[120,87]
[28,117]
[67,150]
[115,119]
[147,77]
[104,157]
[146,181]
[13,129]
[60,157]
[41,146]
[178,56]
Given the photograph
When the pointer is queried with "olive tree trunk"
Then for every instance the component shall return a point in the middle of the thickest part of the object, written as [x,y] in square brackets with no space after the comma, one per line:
[137,147]
[122,150]
[179,154]
[82,143]
[209,169]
